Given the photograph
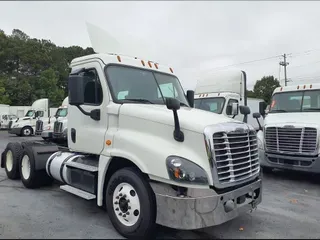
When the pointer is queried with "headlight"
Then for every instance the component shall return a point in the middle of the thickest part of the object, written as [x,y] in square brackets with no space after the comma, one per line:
[185,171]
[47,128]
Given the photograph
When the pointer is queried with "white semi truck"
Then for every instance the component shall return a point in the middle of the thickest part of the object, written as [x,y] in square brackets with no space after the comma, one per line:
[224,93]
[5,120]
[148,157]
[290,137]
[55,127]
[26,126]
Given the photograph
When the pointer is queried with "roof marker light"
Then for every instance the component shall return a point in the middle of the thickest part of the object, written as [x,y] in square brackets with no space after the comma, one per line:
[119,59]
[304,86]
[156,65]
[149,63]
[310,85]
[298,87]
[142,62]
[171,70]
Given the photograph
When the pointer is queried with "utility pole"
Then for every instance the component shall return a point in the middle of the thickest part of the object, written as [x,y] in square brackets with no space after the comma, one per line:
[284,63]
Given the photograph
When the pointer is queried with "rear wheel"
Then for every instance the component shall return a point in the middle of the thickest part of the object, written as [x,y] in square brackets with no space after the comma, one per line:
[12,158]
[131,204]
[30,177]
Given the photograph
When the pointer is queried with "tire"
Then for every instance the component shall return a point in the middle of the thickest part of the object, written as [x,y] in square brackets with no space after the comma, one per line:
[131,183]
[12,158]
[30,177]
[26,131]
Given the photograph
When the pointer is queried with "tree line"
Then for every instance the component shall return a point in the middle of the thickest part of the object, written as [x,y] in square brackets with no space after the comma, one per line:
[33,68]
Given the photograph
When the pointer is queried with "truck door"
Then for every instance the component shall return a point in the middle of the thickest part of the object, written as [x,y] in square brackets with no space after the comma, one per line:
[84,133]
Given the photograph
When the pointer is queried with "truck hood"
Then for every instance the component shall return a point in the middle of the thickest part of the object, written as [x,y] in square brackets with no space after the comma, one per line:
[190,118]
[311,118]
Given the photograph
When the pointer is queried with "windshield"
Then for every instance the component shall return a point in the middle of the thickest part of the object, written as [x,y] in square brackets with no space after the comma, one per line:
[214,104]
[130,84]
[30,113]
[12,117]
[297,101]
[62,112]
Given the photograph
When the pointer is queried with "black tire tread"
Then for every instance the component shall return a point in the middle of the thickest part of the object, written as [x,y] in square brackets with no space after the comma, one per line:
[16,150]
[37,178]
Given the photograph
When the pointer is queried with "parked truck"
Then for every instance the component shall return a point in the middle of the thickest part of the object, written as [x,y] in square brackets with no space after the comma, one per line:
[148,157]
[290,137]
[54,128]
[26,126]
[5,120]
[223,93]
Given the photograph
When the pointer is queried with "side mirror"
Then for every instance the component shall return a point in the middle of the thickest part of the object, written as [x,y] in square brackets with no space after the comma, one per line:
[190,98]
[172,104]
[256,115]
[232,109]
[262,108]
[245,110]
[76,90]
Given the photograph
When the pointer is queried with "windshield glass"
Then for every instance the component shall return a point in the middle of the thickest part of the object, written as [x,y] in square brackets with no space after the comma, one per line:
[128,84]
[62,112]
[214,104]
[12,117]
[30,113]
[297,101]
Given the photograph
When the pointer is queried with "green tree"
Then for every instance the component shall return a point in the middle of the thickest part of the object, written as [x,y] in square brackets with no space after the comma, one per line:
[250,94]
[264,88]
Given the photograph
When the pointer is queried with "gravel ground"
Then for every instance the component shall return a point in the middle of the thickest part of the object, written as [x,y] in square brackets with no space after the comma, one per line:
[289,209]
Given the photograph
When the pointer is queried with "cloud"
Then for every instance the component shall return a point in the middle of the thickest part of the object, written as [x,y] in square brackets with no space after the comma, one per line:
[192,37]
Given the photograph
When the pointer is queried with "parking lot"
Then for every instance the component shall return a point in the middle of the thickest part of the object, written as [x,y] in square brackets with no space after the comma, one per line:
[289,209]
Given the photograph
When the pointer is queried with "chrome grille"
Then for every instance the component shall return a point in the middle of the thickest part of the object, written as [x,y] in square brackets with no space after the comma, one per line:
[57,127]
[39,126]
[236,155]
[291,140]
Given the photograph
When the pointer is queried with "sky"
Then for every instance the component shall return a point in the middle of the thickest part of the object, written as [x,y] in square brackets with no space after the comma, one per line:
[196,39]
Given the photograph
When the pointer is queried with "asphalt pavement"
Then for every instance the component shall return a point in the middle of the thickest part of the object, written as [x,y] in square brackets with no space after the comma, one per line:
[289,209]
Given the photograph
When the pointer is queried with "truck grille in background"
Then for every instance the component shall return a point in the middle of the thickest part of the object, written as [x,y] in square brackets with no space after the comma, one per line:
[236,155]
[291,140]
[57,128]
[10,124]
[39,126]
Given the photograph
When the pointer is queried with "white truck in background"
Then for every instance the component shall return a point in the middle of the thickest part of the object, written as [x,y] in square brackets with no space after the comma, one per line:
[224,93]
[55,127]
[5,119]
[291,133]
[147,156]
[26,126]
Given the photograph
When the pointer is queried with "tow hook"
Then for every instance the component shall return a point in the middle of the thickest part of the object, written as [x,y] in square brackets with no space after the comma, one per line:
[253,202]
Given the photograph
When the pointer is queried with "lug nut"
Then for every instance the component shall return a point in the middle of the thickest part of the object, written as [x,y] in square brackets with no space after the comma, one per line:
[120,194]
[120,214]
[116,203]
[117,197]
[124,195]
[128,213]
[129,207]
[117,209]
[124,215]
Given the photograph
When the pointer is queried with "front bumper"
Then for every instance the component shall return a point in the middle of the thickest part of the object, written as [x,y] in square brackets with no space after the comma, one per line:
[206,208]
[296,163]
[15,131]
[62,136]
[46,134]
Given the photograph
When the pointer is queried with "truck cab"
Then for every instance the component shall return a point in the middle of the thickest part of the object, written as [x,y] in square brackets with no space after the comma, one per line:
[290,137]
[138,147]
[48,129]
[5,120]
[26,126]
[224,93]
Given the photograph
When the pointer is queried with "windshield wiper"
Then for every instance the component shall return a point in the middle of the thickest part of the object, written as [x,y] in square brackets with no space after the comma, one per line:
[278,110]
[139,100]
[311,109]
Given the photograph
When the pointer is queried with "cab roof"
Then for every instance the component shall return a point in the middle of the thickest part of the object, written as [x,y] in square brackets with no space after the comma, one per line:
[301,87]
[122,60]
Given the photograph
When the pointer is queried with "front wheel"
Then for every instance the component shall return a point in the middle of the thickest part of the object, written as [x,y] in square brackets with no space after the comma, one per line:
[131,204]
[26,131]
